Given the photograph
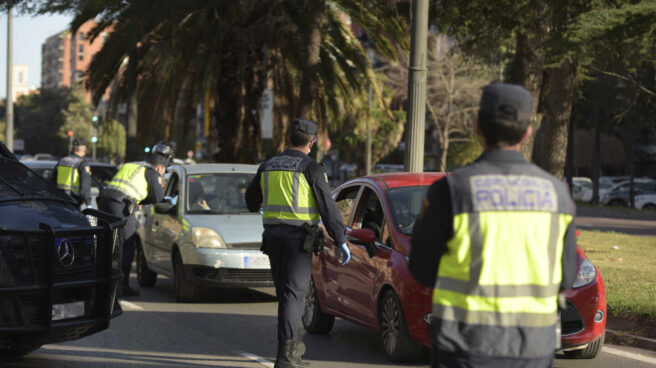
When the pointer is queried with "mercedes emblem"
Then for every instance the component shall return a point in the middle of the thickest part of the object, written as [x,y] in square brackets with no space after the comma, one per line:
[66,253]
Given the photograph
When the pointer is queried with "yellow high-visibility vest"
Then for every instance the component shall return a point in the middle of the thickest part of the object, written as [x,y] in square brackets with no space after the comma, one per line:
[68,177]
[131,180]
[498,281]
[287,197]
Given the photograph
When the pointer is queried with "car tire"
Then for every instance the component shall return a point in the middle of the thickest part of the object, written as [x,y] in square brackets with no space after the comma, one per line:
[649,206]
[589,351]
[184,290]
[616,203]
[315,321]
[397,344]
[145,276]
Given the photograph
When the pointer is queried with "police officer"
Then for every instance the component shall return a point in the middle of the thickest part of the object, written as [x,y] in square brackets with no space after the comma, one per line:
[72,173]
[292,190]
[134,184]
[496,241]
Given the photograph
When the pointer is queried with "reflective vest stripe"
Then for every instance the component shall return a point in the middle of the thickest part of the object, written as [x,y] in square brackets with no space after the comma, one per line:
[501,291]
[492,318]
[133,191]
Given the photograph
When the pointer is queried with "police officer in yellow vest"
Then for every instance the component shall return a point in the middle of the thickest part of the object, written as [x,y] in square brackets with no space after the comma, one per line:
[496,241]
[134,184]
[292,190]
[72,173]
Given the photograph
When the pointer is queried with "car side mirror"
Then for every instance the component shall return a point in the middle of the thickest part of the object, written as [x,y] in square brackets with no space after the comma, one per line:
[164,208]
[365,237]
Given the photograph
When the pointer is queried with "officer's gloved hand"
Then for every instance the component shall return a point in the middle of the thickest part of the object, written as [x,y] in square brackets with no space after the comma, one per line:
[343,250]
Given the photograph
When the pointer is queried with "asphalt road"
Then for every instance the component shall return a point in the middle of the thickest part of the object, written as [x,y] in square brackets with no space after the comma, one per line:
[235,328]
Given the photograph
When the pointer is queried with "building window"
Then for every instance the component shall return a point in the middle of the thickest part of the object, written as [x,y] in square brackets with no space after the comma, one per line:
[81,49]
[81,57]
[81,36]
[20,77]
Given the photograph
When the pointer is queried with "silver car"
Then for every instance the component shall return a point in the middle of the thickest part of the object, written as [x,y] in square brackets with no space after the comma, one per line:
[203,235]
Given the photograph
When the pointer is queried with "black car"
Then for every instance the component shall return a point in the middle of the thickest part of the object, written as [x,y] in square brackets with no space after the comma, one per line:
[59,267]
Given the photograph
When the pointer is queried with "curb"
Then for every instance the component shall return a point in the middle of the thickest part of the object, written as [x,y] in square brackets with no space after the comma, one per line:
[623,338]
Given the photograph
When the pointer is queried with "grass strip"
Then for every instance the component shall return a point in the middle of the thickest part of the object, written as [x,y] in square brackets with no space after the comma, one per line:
[628,266]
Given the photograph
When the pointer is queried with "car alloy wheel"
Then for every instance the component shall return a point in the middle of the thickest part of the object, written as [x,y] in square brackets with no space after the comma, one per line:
[315,321]
[397,344]
[390,326]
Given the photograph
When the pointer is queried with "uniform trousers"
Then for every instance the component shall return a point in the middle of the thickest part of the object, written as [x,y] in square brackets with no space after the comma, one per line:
[291,268]
[128,233]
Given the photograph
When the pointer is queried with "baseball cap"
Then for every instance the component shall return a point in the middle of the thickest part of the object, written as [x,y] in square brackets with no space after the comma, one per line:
[304,126]
[79,142]
[508,102]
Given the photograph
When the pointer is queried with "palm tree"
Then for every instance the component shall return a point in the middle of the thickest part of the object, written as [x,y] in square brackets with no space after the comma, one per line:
[230,49]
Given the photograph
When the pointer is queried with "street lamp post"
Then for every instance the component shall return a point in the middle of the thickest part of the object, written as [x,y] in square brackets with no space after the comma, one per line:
[414,155]
[9,137]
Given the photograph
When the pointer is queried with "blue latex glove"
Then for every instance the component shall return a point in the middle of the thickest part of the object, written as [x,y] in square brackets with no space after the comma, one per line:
[343,250]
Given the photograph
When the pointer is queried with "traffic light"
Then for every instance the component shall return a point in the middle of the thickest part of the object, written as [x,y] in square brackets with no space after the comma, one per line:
[94,139]
[147,149]
[95,120]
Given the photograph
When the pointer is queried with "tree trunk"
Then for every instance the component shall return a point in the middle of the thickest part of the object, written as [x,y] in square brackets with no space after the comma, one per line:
[316,10]
[528,67]
[558,103]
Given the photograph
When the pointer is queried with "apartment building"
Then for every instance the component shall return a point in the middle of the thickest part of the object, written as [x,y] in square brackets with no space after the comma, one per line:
[66,57]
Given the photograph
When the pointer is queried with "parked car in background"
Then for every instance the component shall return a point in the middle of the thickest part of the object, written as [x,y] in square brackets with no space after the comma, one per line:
[377,291]
[100,172]
[203,235]
[619,195]
[59,267]
[645,201]
[581,189]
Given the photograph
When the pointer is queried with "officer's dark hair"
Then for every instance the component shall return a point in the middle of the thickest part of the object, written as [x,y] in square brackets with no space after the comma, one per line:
[504,114]
[500,132]
[298,139]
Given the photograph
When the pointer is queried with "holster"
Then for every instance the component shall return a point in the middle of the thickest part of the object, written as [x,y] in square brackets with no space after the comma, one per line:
[314,239]
[130,206]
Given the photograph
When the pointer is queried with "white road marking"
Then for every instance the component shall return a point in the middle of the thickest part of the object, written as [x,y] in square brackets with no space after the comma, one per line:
[256,358]
[626,354]
[129,306]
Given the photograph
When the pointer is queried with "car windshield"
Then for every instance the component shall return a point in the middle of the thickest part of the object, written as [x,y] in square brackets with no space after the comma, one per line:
[406,204]
[18,182]
[221,193]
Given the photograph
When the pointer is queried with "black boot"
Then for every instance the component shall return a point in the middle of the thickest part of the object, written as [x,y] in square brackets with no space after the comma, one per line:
[126,291]
[299,350]
[287,357]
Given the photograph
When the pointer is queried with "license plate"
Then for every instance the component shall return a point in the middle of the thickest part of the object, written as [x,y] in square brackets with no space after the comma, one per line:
[256,262]
[67,310]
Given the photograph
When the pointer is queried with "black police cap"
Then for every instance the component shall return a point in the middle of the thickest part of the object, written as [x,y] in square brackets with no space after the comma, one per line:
[304,126]
[508,102]
[79,142]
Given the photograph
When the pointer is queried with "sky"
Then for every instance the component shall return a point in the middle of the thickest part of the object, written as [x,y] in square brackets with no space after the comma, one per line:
[29,33]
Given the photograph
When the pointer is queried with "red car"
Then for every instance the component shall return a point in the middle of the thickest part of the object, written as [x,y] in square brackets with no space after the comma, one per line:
[376,289]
